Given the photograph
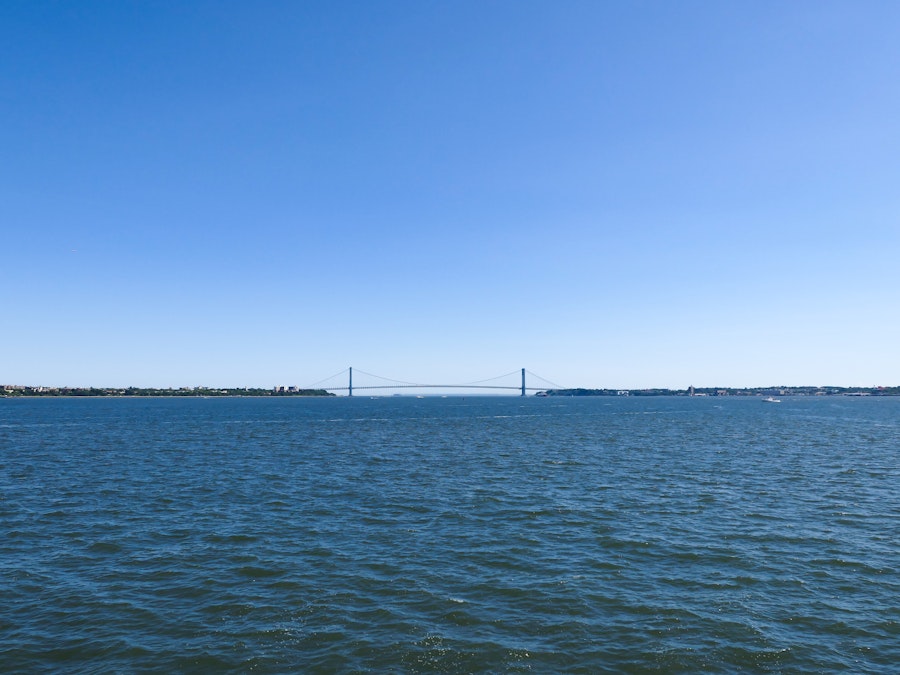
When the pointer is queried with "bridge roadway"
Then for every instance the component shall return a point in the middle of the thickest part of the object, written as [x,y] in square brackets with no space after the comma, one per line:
[434,386]
[395,384]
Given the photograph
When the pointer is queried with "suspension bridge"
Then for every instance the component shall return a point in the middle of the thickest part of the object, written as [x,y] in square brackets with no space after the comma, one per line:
[343,382]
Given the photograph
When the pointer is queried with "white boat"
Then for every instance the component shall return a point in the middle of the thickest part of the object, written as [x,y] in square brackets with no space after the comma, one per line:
[771,399]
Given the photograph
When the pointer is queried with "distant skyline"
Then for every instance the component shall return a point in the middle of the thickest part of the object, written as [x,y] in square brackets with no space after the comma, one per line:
[612,195]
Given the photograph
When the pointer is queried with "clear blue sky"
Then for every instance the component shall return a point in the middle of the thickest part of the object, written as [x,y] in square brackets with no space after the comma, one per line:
[611,194]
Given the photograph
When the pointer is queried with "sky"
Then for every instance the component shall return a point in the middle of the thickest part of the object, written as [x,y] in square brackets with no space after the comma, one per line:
[609,194]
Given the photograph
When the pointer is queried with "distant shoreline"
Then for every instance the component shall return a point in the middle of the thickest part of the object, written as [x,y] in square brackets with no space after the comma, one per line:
[19,391]
[731,391]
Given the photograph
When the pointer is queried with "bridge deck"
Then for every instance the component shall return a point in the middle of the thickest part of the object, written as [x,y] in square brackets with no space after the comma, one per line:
[434,386]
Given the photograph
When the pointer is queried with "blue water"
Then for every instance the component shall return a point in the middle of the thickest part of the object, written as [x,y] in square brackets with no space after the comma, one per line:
[450,535]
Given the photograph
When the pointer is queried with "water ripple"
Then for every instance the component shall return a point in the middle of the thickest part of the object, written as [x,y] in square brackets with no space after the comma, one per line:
[449,535]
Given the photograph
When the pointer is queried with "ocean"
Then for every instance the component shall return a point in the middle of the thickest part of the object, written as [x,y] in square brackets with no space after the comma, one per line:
[450,535]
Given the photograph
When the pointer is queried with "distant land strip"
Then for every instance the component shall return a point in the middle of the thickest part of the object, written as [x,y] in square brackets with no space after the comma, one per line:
[183,392]
[9,391]
[731,391]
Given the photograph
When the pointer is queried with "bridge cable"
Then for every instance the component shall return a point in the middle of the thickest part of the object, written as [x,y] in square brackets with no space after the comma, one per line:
[490,379]
[419,384]
[312,386]
[387,379]
[543,379]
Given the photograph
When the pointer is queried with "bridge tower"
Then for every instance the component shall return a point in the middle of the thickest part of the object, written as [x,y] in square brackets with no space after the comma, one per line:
[350,388]
[523,381]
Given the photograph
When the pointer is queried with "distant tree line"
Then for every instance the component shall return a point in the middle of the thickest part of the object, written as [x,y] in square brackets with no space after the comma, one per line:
[184,392]
[730,391]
